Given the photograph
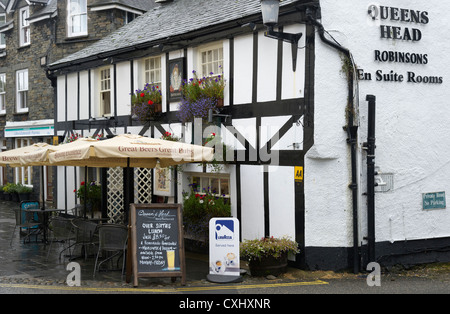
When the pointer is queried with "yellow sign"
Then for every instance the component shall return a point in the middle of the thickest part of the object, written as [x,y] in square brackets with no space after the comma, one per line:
[55,140]
[298,174]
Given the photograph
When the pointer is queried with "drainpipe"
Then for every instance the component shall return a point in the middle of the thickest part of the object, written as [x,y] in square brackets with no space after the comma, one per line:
[371,178]
[352,135]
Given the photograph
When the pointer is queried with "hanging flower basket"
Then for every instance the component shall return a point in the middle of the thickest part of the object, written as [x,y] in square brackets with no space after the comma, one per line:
[146,103]
[199,95]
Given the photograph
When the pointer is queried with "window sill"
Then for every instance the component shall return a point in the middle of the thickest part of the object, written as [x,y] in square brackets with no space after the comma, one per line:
[76,37]
[21,112]
[23,46]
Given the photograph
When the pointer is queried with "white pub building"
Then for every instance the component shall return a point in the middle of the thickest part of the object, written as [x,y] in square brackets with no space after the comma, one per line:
[311,160]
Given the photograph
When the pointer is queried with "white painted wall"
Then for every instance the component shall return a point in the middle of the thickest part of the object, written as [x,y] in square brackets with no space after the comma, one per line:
[252,202]
[411,123]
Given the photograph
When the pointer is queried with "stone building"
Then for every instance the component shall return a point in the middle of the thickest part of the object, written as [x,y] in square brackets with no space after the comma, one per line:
[33,34]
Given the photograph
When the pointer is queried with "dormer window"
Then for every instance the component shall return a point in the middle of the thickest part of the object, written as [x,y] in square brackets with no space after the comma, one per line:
[77,18]
[24,32]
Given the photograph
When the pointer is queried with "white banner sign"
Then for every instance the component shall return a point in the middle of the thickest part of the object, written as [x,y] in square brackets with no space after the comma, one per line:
[224,246]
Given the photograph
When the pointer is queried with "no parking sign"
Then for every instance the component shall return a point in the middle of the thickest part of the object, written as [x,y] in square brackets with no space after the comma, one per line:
[224,249]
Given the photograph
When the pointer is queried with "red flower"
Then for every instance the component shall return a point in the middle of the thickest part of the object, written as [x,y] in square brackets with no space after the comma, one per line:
[142,94]
[150,102]
[197,195]
[75,190]
[82,183]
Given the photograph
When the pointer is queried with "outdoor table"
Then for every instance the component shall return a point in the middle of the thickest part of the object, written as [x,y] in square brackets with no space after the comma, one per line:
[45,213]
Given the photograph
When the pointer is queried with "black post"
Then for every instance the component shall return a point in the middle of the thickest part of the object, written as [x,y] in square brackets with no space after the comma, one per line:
[371,178]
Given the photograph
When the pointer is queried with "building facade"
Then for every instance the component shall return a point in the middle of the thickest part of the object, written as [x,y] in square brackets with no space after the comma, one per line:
[298,133]
[34,34]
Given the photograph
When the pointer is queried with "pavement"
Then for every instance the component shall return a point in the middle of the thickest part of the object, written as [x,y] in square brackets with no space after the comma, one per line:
[25,266]
[27,263]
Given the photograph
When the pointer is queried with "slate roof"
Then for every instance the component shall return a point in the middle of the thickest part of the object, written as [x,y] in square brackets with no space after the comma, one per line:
[168,20]
[49,8]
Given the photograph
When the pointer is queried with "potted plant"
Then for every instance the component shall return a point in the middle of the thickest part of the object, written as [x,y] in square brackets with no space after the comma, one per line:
[11,189]
[268,256]
[198,208]
[93,195]
[24,192]
[199,96]
[146,103]
[7,191]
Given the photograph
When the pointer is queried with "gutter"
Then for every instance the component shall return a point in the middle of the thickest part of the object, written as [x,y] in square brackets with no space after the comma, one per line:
[352,132]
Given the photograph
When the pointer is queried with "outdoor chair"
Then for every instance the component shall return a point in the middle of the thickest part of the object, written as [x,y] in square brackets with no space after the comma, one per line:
[84,234]
[61,230]
[112,239]
[26,220]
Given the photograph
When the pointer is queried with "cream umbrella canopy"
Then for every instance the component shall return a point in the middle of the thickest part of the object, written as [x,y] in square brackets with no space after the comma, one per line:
[35,154]
[13,157]
[129,150]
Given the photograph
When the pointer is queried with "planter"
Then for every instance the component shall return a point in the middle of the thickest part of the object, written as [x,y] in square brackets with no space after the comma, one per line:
[7,196]
[14,197]
[158,108]
[268,266]
[219,103]
[24,197]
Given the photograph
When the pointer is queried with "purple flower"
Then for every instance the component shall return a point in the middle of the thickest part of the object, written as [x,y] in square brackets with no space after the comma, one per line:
[196,109]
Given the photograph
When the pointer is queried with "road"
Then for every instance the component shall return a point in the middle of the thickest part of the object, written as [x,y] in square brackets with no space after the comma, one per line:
[353,285]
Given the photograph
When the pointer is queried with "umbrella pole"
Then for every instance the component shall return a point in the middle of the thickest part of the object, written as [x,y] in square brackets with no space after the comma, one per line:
[126,202]
[43,188]
[85,191]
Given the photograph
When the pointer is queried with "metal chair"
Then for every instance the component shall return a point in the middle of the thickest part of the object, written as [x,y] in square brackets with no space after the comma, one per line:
[84,233]
[26,220]
[62,230]
[112,238]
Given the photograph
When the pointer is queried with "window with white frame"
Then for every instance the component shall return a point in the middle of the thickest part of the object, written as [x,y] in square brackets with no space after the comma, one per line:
[76,18]
[2,36]
[152,71]
[211,60]
[105,91]
[217,184]
[24,26]
[23,175]
[22,90]
[2,93]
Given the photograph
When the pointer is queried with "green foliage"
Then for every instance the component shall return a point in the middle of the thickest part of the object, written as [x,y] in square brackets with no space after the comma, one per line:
[199,207]
[94,194]
[258,248]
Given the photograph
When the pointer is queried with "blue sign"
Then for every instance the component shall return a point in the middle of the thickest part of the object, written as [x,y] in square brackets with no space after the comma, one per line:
[224,229]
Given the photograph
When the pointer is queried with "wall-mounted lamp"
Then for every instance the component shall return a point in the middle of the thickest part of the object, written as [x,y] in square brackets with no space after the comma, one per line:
[270,10]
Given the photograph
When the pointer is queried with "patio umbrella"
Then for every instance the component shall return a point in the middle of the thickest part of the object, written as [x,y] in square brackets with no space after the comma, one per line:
[129,150]
[12,157]
[34,155]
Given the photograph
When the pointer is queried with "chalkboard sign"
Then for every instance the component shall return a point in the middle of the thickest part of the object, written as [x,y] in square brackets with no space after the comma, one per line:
[157,241]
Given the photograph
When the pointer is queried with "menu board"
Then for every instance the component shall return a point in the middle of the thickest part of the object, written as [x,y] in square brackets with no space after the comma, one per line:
[157,241]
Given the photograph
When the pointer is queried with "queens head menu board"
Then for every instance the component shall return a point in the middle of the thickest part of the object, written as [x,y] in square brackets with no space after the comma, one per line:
[157,241]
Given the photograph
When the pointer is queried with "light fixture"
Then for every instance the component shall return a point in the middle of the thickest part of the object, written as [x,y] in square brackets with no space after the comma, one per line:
[270,10]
